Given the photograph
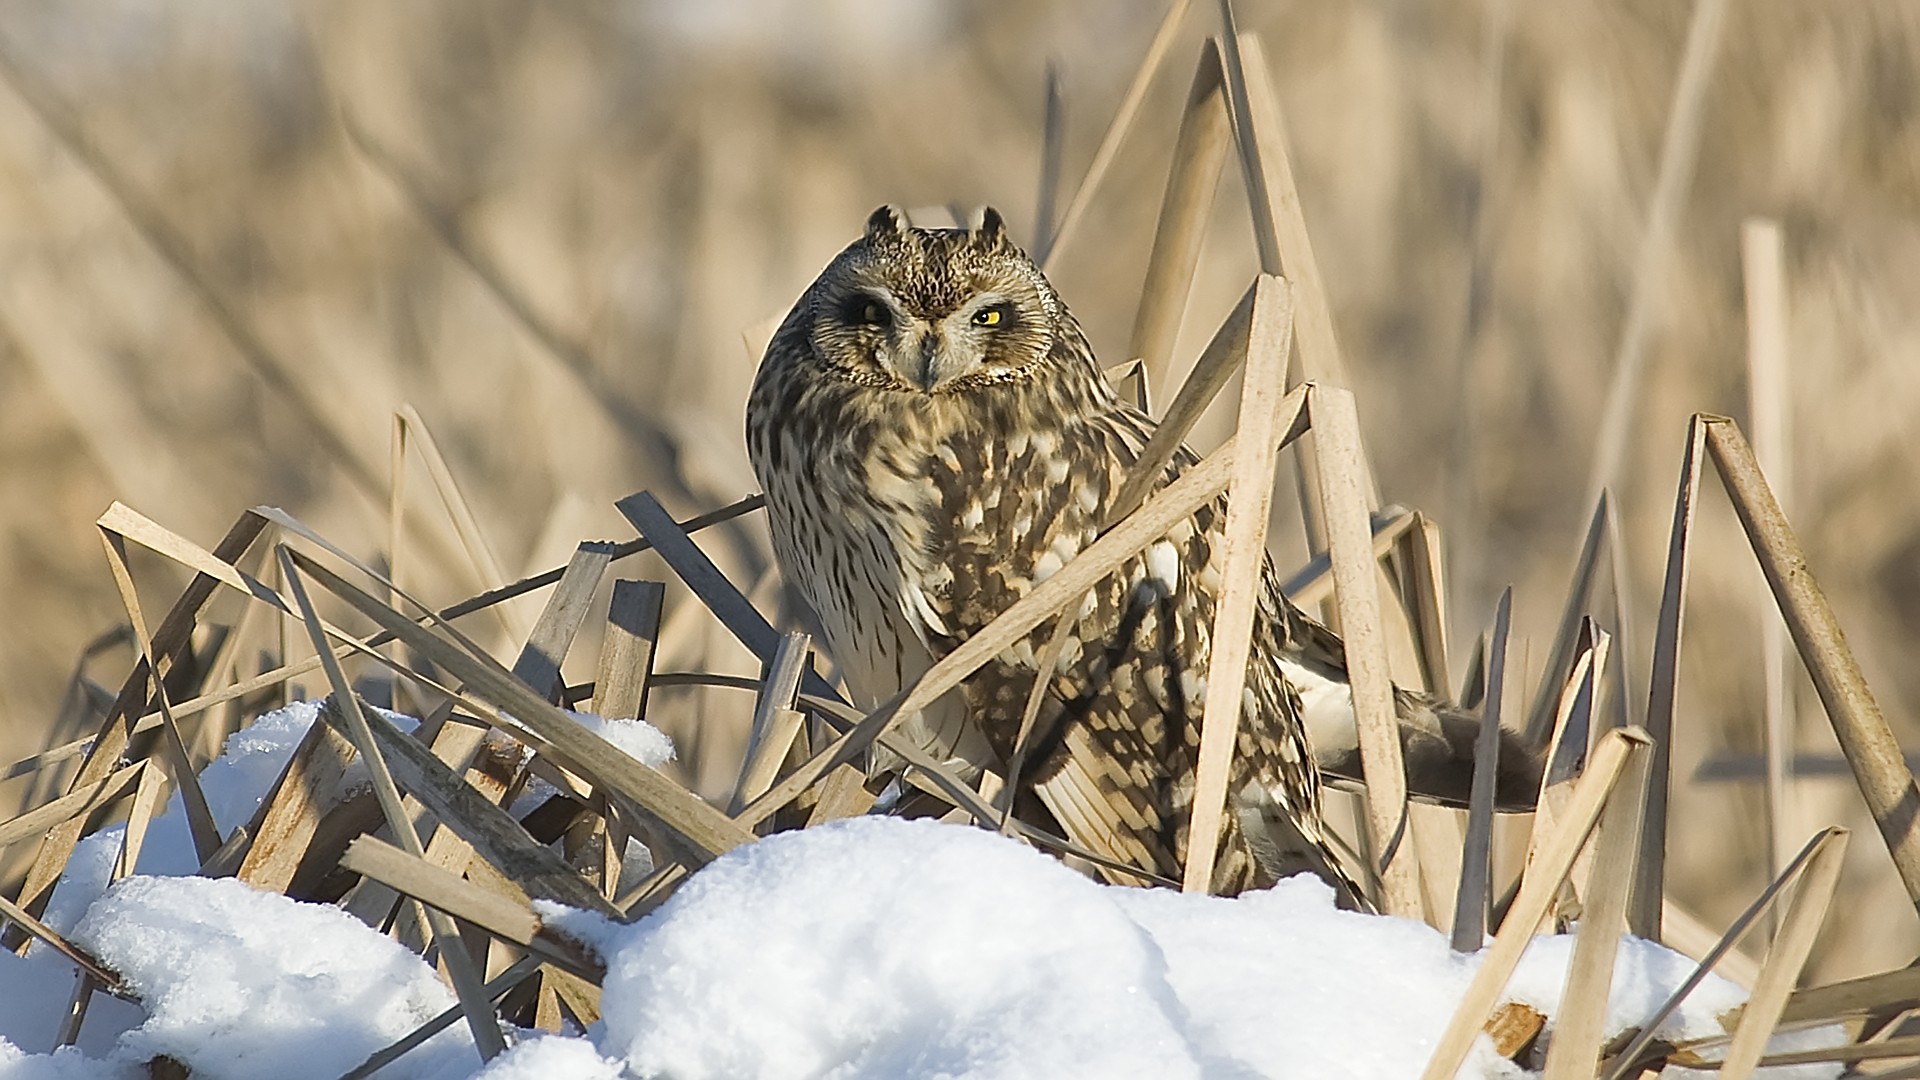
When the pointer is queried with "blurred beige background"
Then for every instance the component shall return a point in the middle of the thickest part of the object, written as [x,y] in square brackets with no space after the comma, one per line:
[225,262]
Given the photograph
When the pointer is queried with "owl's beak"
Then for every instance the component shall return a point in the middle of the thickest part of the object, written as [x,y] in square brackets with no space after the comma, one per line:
[930,374]
[920,361]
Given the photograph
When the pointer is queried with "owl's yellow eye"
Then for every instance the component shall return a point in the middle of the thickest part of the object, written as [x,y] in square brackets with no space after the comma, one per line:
[991,316]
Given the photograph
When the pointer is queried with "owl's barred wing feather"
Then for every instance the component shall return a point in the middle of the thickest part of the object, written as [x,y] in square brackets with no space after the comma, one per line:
[1098,810]
[1119,738]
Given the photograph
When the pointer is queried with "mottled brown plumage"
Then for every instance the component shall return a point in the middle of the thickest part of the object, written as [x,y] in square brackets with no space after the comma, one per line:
[935,438]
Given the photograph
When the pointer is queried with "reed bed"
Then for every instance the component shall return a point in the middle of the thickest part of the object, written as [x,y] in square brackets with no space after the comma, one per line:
[679,620]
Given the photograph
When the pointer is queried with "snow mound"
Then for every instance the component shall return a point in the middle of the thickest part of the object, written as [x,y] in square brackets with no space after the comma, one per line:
[880,948]
[551,1057]
[240,984]
[67,1063]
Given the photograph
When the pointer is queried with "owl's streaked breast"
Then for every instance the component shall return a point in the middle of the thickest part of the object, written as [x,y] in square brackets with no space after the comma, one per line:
[852,508]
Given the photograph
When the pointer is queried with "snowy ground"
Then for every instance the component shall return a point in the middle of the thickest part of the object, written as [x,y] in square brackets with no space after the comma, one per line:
[872,948]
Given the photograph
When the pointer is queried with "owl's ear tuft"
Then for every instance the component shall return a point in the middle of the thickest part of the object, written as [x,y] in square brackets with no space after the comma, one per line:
[992,231]
[886,223]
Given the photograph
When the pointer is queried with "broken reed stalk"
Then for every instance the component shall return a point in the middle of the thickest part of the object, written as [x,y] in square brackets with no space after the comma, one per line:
[538,664]
[1580,1027]
[1870,748]
[454,954]
[1787,955]
[1898,989]
[1567,752]
[775,723]
[200,824]
[759,770]
[1620,611]
[495,989]
[1123,117]
[1438,833]
[1629,1060]
[502,916]
[1343,486]
[699,831]
[1650,875]
[396,505]
[1132,373]
[846,794]
[621,684]
[1868,743]
[77,803]
[167,644]
[307,789]
[1537,891]
[1473,900]
[148,797]
[1313,582]
[91,968]
[938,777]
[481,559]
[1902,1047]
[1280,224]
[1425,590]
[1218,362]
[1199,154]
[693,567]
[493,833]
[1579,603]
[1281,237]
[1259,429]
[191,557]
[625,672]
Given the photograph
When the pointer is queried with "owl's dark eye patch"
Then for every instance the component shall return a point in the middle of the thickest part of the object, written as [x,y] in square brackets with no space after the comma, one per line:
[865,309]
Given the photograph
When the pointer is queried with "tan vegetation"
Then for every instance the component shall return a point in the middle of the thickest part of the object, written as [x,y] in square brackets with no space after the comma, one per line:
[241,237]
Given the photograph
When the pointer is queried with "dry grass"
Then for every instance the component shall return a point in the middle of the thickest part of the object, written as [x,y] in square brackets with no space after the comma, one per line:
[242,238]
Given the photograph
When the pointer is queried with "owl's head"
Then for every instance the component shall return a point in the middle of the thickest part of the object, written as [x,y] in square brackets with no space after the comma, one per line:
[933,311]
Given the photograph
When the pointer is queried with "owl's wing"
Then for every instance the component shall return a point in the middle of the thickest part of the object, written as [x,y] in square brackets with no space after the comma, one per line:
[1437,738]
[1099,810]
[1103,810]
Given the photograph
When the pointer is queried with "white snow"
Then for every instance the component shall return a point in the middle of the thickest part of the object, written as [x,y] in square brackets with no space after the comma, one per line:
[240,983]
[239,778]
[551,1057]
[642,741]
[871,948]
[881,948]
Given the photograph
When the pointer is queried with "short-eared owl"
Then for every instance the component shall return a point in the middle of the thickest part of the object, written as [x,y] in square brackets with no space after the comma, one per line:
[935,438]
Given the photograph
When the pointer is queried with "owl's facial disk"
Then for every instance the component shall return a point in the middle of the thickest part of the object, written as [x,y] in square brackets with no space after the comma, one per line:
[989,337]
[932,311]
